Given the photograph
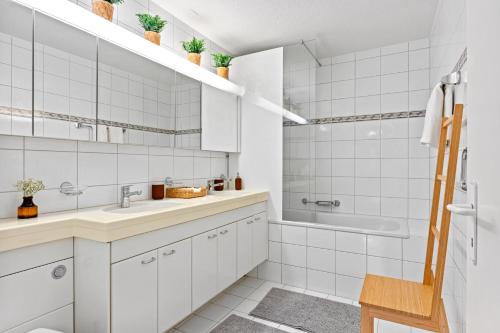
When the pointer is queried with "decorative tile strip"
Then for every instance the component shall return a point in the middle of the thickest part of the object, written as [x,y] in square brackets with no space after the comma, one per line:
[90,121]
[364,117]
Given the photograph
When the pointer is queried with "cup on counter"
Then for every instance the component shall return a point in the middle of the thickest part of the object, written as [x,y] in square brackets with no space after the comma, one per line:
[158,191]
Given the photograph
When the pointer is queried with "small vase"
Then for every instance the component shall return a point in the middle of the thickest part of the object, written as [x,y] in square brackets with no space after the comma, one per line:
[153,37]
[195,58]
[223,72]
[28,209]
[103,9]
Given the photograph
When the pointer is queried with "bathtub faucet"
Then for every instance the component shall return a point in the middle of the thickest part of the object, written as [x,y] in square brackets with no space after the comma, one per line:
[334,203]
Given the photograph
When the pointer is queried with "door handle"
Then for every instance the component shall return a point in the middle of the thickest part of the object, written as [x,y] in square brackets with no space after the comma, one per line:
[169,253]
[148,261]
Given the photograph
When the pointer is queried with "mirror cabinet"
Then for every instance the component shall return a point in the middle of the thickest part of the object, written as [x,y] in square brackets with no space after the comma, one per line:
[58,81]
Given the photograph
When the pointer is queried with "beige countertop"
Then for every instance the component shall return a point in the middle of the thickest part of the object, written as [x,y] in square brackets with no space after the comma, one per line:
[106,224]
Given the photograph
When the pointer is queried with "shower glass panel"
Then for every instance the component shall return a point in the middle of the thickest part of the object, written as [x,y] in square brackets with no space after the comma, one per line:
[307,148]
[65,81]
[136,99]
[16,64]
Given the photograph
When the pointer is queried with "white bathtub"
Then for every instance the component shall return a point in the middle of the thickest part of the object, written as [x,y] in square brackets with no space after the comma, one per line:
[369,225]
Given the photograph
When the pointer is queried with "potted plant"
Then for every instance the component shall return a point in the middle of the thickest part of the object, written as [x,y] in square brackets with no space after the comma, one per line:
[104,8]
[194,47]
[222,62]
[152,25]
[29,187]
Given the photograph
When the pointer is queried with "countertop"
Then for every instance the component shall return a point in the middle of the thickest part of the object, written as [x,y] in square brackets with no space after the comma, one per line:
[103,225]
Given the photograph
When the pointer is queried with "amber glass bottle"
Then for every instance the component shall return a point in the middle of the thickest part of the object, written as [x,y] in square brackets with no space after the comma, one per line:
[237,182]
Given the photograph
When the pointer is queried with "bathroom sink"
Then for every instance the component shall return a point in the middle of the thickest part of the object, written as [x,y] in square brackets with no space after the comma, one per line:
[141,207]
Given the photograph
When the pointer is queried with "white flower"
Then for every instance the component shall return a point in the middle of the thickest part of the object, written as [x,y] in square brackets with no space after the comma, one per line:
[29,186]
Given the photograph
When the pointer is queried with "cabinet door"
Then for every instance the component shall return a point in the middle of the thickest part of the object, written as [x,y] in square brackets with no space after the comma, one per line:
[134,295]
[244,246]
[259,239]
[226,272]
[174,284]
[204,268]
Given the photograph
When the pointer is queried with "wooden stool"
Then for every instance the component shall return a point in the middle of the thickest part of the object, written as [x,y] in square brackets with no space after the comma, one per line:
[411,303]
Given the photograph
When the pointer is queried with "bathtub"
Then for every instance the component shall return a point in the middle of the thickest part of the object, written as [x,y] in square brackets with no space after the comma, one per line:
[369,225]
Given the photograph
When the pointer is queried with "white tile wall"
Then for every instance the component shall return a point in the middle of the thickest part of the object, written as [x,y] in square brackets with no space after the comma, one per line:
[102,167]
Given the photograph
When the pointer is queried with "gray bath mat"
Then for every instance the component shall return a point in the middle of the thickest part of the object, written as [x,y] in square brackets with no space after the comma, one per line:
[237,324]
[308,313]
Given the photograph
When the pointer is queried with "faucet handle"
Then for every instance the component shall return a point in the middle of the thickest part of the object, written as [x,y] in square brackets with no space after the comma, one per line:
[126,188]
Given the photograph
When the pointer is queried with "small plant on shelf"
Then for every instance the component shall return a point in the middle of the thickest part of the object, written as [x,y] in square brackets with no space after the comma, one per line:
[194,48]
[152,25]
[29,187]
[104,8]
[222,62]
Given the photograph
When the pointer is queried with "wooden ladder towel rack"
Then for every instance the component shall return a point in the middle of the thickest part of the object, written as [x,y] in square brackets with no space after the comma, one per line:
[410,303]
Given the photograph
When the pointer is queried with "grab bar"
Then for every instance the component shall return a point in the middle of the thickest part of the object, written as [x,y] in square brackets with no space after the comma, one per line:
[324,203]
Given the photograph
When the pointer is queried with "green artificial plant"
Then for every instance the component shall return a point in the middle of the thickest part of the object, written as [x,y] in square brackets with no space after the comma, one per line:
[222,60]
[194,45]
[151,23]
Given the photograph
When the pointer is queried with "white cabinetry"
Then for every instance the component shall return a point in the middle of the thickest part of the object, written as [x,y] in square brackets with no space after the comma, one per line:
[204,268]
[174,283]
[134,294]
[226,256]
[252,243]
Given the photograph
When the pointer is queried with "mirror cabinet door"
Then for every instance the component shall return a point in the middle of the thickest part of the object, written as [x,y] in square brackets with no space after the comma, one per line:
[136,99]
[187,113]
[65,81]
[16,64]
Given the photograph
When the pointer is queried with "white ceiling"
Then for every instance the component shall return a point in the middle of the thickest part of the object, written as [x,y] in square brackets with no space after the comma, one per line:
[338,26]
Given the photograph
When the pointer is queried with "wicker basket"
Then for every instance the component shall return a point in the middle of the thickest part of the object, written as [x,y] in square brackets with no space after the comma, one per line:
[186,192]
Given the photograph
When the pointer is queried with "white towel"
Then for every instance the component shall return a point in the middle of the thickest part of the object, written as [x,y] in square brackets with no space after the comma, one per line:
[102,133]
[433,116]
[116,134]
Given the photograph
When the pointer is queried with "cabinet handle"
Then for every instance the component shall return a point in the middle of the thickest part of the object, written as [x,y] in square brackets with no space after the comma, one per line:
[148,261]
[224,232]
[212,236]
[58,272]
[169,253]
[249,222]
[257,219]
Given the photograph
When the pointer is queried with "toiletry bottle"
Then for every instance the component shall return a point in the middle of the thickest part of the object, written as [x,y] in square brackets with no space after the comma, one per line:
[237,182]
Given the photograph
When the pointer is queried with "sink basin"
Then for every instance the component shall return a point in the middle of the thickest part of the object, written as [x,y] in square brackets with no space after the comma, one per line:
[141,207]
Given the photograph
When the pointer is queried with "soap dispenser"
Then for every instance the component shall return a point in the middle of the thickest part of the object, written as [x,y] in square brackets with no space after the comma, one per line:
[238,182]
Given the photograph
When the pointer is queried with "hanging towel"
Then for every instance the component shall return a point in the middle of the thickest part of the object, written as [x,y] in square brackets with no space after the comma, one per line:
[433,116]
[102,133]
[116,134]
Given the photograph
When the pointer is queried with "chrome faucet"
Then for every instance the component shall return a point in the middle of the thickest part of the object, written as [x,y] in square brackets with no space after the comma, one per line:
[126,194]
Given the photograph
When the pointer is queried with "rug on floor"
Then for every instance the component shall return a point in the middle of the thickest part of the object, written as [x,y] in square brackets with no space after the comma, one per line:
[308,313]
[237,324]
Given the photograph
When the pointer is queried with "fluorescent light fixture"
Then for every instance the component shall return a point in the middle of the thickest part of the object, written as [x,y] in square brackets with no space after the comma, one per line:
[81,18]
[273,107]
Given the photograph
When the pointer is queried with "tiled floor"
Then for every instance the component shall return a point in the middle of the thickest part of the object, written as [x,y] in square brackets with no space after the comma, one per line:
[244,295]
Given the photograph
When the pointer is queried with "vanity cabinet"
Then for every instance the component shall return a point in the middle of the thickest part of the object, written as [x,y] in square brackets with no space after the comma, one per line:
[251,247]
[174,283]
[214,263]
[134,294]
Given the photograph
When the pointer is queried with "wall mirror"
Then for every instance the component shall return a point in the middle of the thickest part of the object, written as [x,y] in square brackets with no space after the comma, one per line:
[16,65]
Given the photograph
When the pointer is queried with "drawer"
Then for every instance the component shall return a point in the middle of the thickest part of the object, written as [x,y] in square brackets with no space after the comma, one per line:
[60,320]
[30,294]
[33,256]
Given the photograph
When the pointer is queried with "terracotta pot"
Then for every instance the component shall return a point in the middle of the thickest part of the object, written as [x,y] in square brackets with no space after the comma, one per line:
[28,209]
[152,36]
[103,8]
[223,72]
[195,58]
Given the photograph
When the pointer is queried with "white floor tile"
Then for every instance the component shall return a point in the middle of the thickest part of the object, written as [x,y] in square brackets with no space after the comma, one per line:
[213,311]
[196,324]
[251,282]
[294,289]
[227,300]
[315,294]
[246,306]
[340,299]
[240,290]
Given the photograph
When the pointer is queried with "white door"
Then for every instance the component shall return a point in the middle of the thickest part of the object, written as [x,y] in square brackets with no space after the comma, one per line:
[226,256]
[174,284]
[204,268]
[134,294]
[259,239]
[244,246]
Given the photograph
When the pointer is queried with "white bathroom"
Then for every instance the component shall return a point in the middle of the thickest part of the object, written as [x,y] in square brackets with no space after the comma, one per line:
[225,166]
